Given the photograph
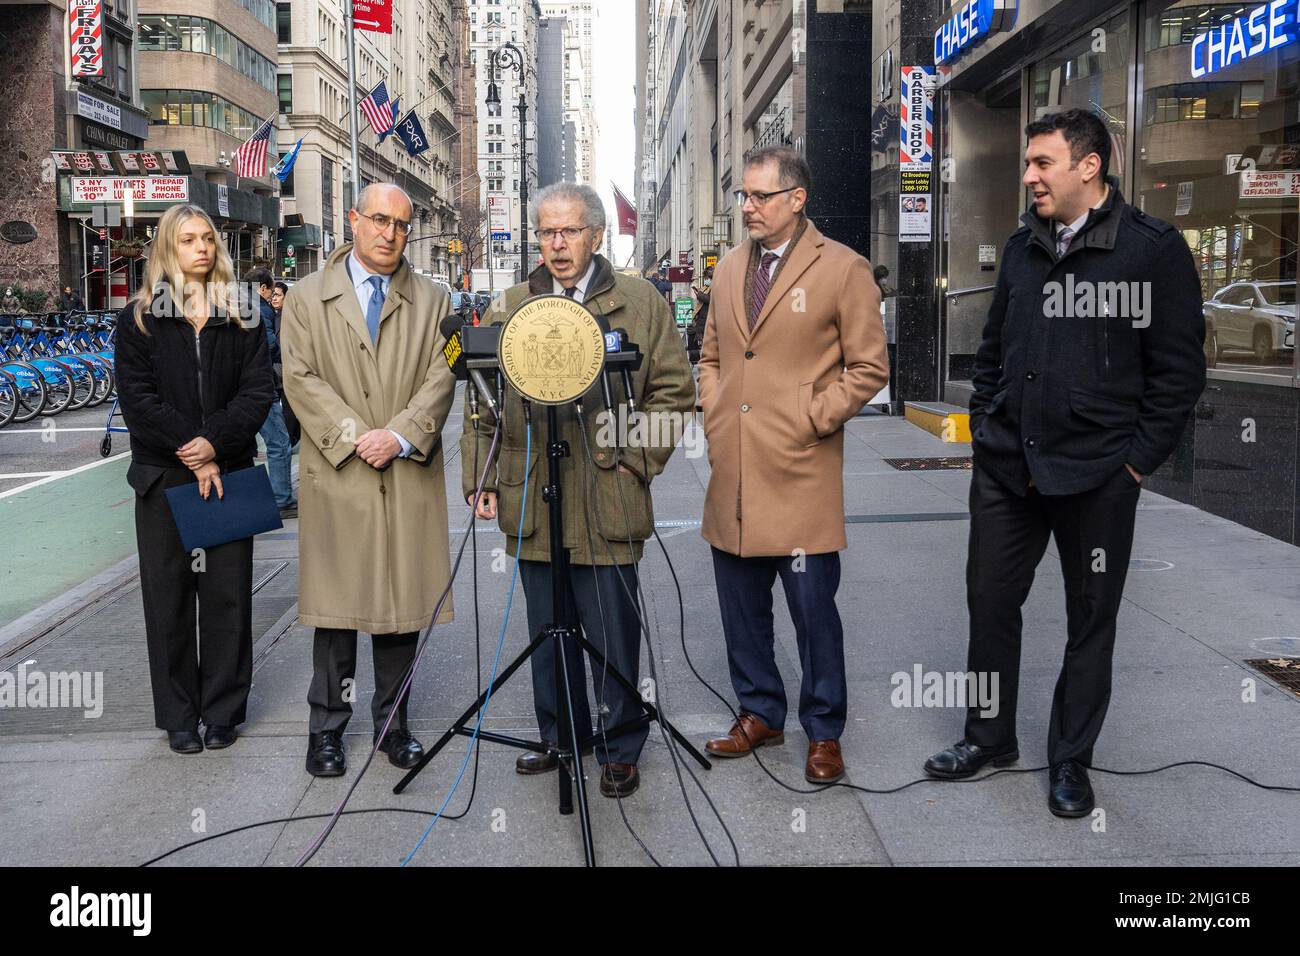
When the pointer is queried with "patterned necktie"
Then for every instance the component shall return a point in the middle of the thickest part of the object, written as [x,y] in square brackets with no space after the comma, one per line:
[762,282]
[374,307]
[572,292]
[1063,239]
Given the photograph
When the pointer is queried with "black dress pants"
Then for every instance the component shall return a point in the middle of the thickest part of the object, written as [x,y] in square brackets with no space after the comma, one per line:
[1008,536]
[333,677]
[207,677]
[609,619]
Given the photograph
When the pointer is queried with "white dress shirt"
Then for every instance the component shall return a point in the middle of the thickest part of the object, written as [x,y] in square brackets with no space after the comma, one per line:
[360,276]
[582,284]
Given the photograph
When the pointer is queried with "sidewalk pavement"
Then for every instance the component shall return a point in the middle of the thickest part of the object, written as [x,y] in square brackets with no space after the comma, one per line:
[1203,596]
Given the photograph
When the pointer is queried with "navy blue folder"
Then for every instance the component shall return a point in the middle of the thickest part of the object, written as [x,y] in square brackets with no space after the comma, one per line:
[248,508]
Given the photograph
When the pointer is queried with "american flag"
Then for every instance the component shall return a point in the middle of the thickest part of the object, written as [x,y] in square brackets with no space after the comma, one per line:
[377,110]
[250,159]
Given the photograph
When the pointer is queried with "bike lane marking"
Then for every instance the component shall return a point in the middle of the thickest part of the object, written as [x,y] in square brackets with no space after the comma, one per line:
[55,476]
[58,531]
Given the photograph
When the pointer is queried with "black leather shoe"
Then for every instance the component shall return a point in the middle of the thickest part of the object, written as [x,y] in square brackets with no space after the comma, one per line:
[185,741]
[618,779]
[403,750]
[214,738]
[325,754]
[531,762]
[964,760]
[1070,793]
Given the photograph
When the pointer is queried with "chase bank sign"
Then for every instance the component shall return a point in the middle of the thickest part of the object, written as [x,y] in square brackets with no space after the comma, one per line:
[1262,30]
[971,23]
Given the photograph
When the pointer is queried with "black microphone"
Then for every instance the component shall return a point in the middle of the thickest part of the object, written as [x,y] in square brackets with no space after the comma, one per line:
[629,361]
[454,354]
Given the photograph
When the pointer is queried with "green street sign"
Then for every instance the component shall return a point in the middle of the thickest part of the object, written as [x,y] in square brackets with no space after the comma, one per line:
[290,262]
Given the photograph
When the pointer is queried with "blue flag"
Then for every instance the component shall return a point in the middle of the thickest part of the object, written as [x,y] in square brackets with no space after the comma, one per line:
[411,133]
[285,165]
[384,134]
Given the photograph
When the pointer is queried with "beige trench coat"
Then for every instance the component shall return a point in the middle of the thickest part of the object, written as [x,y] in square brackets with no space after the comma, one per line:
[372,546]
[775,400]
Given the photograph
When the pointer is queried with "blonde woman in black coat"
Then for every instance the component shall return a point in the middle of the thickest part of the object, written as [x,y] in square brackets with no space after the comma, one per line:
[194,383]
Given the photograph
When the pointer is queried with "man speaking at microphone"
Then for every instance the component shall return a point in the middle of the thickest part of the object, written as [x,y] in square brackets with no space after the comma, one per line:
[607,507]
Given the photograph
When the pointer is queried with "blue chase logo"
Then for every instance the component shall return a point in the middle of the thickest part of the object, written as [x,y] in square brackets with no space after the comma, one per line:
[1262,30]
[972,22]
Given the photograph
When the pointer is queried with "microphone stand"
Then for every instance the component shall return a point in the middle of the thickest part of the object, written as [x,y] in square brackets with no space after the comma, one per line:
[564,630]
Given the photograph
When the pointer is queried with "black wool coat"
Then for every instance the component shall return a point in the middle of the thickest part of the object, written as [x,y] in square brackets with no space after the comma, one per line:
[1091,360]
[172,389]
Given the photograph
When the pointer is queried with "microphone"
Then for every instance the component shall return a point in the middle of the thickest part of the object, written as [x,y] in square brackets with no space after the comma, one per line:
[628,361]
[454,354]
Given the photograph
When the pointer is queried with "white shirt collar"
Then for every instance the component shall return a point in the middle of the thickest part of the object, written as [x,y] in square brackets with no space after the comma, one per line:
[779,251]
[582,284]
[361,275]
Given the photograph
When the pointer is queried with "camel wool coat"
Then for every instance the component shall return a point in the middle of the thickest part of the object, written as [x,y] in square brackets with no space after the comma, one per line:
[372,545]
[775,400]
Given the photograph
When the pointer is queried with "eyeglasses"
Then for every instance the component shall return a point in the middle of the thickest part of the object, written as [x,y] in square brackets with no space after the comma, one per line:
[382,222]
[568,232]
[760,199]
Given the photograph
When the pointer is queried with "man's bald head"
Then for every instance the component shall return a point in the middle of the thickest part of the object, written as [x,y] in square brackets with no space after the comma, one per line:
[376,193]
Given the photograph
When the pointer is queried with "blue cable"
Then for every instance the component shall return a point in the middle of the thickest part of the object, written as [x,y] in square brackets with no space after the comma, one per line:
[510,598]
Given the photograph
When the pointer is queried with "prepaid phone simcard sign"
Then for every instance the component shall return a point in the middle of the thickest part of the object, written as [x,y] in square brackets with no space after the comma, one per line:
[155,189]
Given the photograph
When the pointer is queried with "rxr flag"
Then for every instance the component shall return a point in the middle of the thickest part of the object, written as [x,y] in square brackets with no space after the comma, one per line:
[86,37]
[411,133]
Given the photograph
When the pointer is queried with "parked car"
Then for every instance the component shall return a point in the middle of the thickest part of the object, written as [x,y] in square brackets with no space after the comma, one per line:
[1252,316]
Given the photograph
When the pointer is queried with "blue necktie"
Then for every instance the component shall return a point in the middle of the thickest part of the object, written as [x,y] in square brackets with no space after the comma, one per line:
[375,306]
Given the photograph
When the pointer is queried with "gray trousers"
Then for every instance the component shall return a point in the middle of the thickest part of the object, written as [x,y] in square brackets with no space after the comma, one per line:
[618,638]
[334,660]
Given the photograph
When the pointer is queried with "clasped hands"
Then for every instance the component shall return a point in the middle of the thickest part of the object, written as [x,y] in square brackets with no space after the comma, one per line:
[198,456]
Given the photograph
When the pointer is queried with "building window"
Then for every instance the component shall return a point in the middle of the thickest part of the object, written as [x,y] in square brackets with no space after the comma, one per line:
[1227,184]
[327,194]
[201,108]
[284,84]
[168,32]
[283,21]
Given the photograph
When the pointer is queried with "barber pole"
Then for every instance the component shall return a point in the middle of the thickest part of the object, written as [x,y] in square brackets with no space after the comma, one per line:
[85,37]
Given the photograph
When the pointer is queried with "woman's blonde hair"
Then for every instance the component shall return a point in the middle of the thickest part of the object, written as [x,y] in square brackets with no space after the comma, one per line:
[163,268]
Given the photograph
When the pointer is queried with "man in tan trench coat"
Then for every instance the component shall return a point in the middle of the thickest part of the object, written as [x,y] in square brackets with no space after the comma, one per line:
[363,369]
[607,506]
[793,349]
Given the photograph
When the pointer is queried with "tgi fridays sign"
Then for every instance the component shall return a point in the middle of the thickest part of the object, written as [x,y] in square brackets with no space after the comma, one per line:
[86,37]
[161,189]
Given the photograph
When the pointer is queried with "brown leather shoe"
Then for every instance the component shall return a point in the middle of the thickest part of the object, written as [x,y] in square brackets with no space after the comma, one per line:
[619,779]
[745,734]
[825,763]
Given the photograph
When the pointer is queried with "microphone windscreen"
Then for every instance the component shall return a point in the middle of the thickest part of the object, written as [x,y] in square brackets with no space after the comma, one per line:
[452,351]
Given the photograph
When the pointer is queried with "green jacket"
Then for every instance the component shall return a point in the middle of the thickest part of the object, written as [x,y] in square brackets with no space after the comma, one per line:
[613,507]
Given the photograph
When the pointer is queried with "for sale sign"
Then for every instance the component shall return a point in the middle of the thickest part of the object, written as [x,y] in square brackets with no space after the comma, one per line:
[86,37]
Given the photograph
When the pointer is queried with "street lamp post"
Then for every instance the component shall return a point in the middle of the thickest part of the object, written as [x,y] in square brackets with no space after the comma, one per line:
[508,57]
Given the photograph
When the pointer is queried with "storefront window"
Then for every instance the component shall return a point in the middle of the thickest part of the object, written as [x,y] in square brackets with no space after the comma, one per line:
[1213,159]
[1091,73]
